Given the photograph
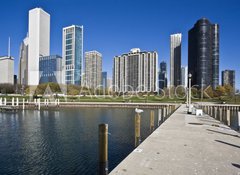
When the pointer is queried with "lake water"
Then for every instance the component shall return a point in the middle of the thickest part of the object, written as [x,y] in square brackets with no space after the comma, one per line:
[65,141]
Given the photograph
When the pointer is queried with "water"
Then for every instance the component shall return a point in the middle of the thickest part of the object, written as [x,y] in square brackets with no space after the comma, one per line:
[65,141]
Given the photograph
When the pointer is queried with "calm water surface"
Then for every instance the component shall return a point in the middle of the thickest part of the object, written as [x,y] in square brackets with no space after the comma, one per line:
[65,141]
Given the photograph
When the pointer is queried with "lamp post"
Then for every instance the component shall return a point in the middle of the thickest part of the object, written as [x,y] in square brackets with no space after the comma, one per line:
[189,95]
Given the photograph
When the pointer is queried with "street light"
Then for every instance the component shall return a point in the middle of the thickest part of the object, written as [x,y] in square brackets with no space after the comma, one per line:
[189,95]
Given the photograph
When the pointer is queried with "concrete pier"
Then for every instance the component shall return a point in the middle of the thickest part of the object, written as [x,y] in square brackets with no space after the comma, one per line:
[185,145]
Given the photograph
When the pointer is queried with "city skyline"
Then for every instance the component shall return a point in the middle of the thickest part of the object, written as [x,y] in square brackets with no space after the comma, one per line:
[93,39]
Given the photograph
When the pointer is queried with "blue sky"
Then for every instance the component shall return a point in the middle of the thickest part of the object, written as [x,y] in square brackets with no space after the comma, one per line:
[114,27]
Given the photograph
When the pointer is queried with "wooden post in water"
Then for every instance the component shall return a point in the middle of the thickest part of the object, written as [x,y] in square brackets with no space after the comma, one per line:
[103,148]
[159,116]
[228,118]
[137,129]
[152,121]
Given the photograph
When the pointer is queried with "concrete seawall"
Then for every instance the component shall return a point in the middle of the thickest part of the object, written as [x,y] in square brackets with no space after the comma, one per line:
[186,145]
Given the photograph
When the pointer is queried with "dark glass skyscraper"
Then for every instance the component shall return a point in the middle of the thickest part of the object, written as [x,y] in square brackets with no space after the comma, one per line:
[162,77]
[203,53]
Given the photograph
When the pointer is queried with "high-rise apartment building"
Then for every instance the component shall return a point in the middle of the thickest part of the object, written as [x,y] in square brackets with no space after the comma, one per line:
[184,76]
[135,72]
[6,70]
[104,80]
[38,42]
[175,59]
[228,78]
[93,69]
[203,54]
[23,63]
[73,54]
[162,77]
[50,68]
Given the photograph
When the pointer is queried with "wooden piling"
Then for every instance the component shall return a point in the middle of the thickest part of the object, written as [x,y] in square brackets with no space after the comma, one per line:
[137,129]
[159,116]
[103,149]
[152,121]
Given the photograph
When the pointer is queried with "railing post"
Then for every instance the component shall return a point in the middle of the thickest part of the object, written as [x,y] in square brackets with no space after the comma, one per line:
[103,149]
[228,118]
[220,114]
[239,121]
[23,106]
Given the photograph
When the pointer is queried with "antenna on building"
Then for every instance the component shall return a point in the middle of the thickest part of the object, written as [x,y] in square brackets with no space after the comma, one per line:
[9,47]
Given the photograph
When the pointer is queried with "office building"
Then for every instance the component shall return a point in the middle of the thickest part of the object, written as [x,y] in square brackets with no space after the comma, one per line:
[73,54]
[23,63]
[104,80]
[184,76]
[162,77]
[50,68]
[175,59]
[135,72]
[203,54]
[38,42]
[228,78]
[6,70]
[93,69]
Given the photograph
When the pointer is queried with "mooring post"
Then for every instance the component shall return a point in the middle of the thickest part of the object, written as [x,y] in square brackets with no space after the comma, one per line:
[23,106]
[103,149]
[228,118]
[137,129]
[152,121]
[159,116]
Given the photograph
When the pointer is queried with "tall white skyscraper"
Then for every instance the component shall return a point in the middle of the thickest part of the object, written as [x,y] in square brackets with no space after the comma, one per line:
[175,59]
[93,69]
[73,54]
[39,42]
[184,76]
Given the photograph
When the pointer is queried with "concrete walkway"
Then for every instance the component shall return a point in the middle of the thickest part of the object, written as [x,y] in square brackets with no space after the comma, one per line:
[182,147]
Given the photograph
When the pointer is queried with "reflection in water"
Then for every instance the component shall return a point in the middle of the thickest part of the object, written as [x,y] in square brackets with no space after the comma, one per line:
[65,141]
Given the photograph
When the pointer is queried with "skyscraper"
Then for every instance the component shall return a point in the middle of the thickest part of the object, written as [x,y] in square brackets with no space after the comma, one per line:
[6,70]
[203,53]
[38,42]
[162,77]
[93,69]
[135,72]
[73,54]
[104,80]
[50,68]
[23,63]
[228,78]
[175,59]
[184,76]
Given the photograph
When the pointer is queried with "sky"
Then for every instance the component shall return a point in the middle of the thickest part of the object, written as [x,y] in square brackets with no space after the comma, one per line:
[113,27]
